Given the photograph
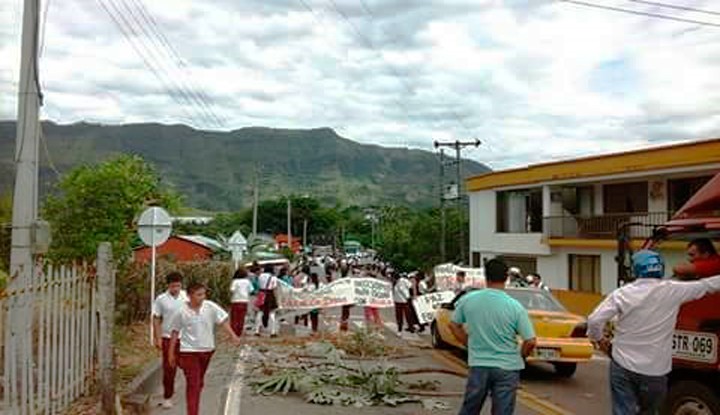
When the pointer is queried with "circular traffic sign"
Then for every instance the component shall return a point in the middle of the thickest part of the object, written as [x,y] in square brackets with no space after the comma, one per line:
[154,226]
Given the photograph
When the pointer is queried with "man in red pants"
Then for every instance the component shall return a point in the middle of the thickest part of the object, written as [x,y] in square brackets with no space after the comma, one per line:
[165,306]
[193,326]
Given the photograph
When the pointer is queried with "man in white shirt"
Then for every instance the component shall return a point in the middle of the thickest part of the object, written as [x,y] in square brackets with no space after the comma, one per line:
[193,326]
[402,297]
[164,307]
[646,312]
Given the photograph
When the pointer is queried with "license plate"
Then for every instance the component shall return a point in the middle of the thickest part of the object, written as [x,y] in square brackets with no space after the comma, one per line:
[546,353]
[695,346]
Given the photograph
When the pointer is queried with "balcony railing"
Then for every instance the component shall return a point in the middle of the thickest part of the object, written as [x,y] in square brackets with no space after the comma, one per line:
[602,226]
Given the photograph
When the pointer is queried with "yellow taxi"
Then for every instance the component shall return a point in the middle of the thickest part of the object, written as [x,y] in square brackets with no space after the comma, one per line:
[561,338]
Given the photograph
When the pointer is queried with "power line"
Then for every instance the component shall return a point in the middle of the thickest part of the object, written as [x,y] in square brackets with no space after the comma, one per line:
[173,54]
[676,7]
[124,30]
[640,13]
[127,31]
[160,59]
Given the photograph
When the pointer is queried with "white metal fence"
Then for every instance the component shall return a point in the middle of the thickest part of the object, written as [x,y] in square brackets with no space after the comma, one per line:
[49,340]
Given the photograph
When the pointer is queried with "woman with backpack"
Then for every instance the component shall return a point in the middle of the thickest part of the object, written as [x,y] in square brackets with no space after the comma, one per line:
[266,302]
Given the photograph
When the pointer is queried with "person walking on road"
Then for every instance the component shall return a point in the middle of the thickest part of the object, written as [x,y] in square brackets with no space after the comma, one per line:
[241,289]
[489,321]
[641,348]
[266,302]
[164,307]
[193,326]
[401,297]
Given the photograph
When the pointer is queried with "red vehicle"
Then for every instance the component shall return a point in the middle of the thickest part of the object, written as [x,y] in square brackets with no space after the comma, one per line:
[695,378]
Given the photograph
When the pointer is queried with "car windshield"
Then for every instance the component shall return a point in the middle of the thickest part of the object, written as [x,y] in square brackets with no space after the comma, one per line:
[536,300]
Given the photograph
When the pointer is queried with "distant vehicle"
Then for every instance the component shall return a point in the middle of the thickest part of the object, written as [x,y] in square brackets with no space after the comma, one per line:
[561,338]
[352,248]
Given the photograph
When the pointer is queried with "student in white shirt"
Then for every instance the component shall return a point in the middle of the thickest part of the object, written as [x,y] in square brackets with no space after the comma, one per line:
[267,282]
[193,326]
[241,288]
[647,311]
[164,307]
[401,297]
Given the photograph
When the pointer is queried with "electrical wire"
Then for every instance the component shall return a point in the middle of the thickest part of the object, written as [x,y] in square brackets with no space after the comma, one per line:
[125,31]
[44,143]
[140,31]
[176,56]
[154,33]
[676,7]
[640,13]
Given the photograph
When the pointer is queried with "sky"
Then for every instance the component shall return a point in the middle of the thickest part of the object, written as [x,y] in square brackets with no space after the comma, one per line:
[534,80]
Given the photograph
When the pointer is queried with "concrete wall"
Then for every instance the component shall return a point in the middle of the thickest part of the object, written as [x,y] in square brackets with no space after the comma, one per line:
[485,239]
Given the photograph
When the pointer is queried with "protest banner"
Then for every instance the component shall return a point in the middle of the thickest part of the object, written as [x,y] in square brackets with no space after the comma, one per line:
[372,292]
[426,305]
[445,277]
[345,291]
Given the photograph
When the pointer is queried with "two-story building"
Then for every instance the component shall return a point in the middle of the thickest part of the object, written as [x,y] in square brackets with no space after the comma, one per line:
[560,219]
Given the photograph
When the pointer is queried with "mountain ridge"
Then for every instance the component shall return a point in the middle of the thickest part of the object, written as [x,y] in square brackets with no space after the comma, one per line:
[215,169]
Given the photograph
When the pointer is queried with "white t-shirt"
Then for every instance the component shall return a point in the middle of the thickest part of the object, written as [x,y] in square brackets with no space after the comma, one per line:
[165,306]
[197,329]
[267,281]
[401,291]
[241,289]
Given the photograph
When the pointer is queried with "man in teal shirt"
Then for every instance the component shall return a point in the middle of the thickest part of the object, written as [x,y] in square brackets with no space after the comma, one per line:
[489,322]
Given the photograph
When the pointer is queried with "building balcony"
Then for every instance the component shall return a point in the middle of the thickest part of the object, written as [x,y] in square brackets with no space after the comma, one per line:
[602,226]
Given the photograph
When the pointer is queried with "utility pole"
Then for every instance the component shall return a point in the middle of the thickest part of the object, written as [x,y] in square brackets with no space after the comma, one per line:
[458,146]
[256,201]
[25,197]
[289,222]
[443,225]
[18,359]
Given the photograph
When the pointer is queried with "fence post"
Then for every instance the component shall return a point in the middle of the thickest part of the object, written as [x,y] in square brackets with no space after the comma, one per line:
[106,294]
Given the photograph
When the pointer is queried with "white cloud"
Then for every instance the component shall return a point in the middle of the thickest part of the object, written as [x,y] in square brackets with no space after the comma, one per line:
[535,79]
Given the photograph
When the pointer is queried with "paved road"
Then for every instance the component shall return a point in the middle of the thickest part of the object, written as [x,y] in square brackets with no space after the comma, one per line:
[542,392]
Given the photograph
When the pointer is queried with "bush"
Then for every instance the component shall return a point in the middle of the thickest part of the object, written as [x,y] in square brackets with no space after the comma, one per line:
[133,285]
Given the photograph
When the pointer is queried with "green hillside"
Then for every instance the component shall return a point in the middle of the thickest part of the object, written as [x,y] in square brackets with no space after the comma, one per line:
[215,170]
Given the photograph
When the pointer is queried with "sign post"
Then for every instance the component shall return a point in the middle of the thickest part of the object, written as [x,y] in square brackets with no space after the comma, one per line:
[154,229]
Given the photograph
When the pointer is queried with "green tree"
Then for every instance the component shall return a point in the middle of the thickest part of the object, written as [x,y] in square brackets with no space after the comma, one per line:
[101,202]
[410,239]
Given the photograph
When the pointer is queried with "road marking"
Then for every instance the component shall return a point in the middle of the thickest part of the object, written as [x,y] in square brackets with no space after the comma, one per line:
[527,399]
[234,395]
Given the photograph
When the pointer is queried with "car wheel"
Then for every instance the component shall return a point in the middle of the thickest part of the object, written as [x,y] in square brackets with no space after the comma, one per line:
[565,370]
[691,398]
[437,341]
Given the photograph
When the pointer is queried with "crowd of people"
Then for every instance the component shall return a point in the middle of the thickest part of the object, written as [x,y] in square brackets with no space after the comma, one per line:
[184,321]
[488,321]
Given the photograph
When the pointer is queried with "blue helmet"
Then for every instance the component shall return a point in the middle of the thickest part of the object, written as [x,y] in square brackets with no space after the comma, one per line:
[648,264]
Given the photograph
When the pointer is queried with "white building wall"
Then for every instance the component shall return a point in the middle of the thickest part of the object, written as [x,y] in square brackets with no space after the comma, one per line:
[485,239]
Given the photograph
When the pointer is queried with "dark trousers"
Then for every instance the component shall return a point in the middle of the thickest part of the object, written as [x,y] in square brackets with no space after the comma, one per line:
[633,393]
[238,311]
[402,313]
[194,365]
[345,317]
[501,384]
[168,371]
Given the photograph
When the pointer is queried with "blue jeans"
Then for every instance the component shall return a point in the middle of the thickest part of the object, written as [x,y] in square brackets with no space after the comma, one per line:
[500,384]
[633,393]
